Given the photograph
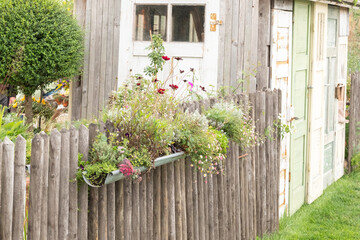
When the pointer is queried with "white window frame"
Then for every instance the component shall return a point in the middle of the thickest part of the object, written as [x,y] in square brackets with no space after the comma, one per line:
[173,48]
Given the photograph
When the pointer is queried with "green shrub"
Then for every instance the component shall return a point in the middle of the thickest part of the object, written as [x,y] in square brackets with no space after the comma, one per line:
[40,43]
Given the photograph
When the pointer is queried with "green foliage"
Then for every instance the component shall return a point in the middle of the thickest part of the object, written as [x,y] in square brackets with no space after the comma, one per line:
[12,126]
[230,119]
[97,172]
[334,215]
[205,145]
[355,162]
[40,43]
[155,56]
[43,110]
[354,42]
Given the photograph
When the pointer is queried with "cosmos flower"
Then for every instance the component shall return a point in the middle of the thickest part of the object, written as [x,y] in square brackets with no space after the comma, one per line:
[173,86]
[166,58]
[178,58]
[161,90]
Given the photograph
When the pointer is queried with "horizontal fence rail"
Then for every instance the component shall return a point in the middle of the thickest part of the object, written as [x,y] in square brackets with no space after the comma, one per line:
[171,202]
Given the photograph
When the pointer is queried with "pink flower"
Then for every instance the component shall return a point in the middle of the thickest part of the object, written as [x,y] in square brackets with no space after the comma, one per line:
[191,84]
[166,58]
[126,168]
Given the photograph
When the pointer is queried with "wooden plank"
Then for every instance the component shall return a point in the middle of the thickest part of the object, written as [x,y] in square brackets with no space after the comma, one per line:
[210,208]
[264,32]
[277,163]
[34,226]
[116,46]
[195,198]
[241,39]
[238,194]
[150,205]
[252,179]
[92,61]
[158,195]
[216,207]
[109,48]
[7,194]
[73,188]
[19,188]
[54,184]
[206,206]
[135,228]
[248,68]
[262,159]
[86,75]
[111,212]
[222,36]
[164,203]
[103,52]
[97,64]
[202,226]
[269,160]
[178,208]
[64,185]
[232,170]
[227,44]
[352,118]
[189,198]
[127,209]
[171,199]
[93,227]
[143,207]
[82,231]
[183,199]
[102,211]
[45,186]
[119,211]
[235,29]
[258,166]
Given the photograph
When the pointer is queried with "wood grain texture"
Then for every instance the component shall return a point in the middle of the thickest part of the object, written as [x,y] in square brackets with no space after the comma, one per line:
[119,211]
[45,186]
[20,189]
[34,225]
[73,188]
[102,213]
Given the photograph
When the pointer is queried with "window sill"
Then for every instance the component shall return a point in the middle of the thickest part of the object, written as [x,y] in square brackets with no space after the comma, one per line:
[178,49]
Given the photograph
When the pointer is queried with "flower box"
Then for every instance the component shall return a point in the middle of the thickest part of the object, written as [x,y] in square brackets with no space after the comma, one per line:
[117,175]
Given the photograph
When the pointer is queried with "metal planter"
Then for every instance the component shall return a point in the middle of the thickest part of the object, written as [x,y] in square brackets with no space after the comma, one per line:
[117,175]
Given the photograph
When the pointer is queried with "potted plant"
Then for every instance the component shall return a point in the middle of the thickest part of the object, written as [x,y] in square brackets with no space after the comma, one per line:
[58,98]
[65,101]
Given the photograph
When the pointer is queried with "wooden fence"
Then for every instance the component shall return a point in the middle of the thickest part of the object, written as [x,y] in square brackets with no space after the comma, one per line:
[171,202]
[354,117]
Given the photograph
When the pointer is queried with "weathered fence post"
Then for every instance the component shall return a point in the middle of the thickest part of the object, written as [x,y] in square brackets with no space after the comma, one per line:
[45,182]
[19,188]
[54,184]
[7,193]
[83,188]
[73,185]
[35,199]
[93,227]
[64,185]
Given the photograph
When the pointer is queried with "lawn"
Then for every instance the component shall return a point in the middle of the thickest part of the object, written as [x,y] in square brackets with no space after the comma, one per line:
[335,215]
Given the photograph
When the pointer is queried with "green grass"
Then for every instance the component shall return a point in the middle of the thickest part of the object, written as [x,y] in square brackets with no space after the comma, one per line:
[335,215]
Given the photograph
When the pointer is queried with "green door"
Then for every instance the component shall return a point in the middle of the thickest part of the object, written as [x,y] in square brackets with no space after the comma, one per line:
[299,100]
[331,79]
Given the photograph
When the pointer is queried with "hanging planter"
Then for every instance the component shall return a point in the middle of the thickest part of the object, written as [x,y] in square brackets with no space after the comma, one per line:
[117,175]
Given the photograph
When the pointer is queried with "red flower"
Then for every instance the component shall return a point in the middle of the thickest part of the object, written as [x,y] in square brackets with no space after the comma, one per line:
[182,71]
[173,86]
[166,58]
[203,88]
[161,90]
[138,84]
[155,80]
[178,58]
[191,69]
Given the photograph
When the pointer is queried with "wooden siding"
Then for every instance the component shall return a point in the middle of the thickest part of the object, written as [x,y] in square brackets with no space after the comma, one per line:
[100,20]
[244,44]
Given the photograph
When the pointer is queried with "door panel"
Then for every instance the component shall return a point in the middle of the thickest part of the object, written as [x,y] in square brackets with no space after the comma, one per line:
[299,100]
[316,102]
[329,88]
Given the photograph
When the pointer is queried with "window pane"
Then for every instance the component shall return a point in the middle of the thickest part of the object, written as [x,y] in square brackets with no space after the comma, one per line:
[188,23]
[150,17]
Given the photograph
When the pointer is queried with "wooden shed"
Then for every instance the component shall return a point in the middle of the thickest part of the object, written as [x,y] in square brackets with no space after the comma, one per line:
[298,46]
[309,63]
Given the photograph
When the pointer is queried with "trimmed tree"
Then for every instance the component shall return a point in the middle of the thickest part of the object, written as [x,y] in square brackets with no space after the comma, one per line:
[40,42]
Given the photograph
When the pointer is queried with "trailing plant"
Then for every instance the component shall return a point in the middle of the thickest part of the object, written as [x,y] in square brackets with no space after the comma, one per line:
[230,118]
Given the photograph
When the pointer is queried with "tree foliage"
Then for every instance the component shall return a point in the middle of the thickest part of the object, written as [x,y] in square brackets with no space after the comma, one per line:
[40,42]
